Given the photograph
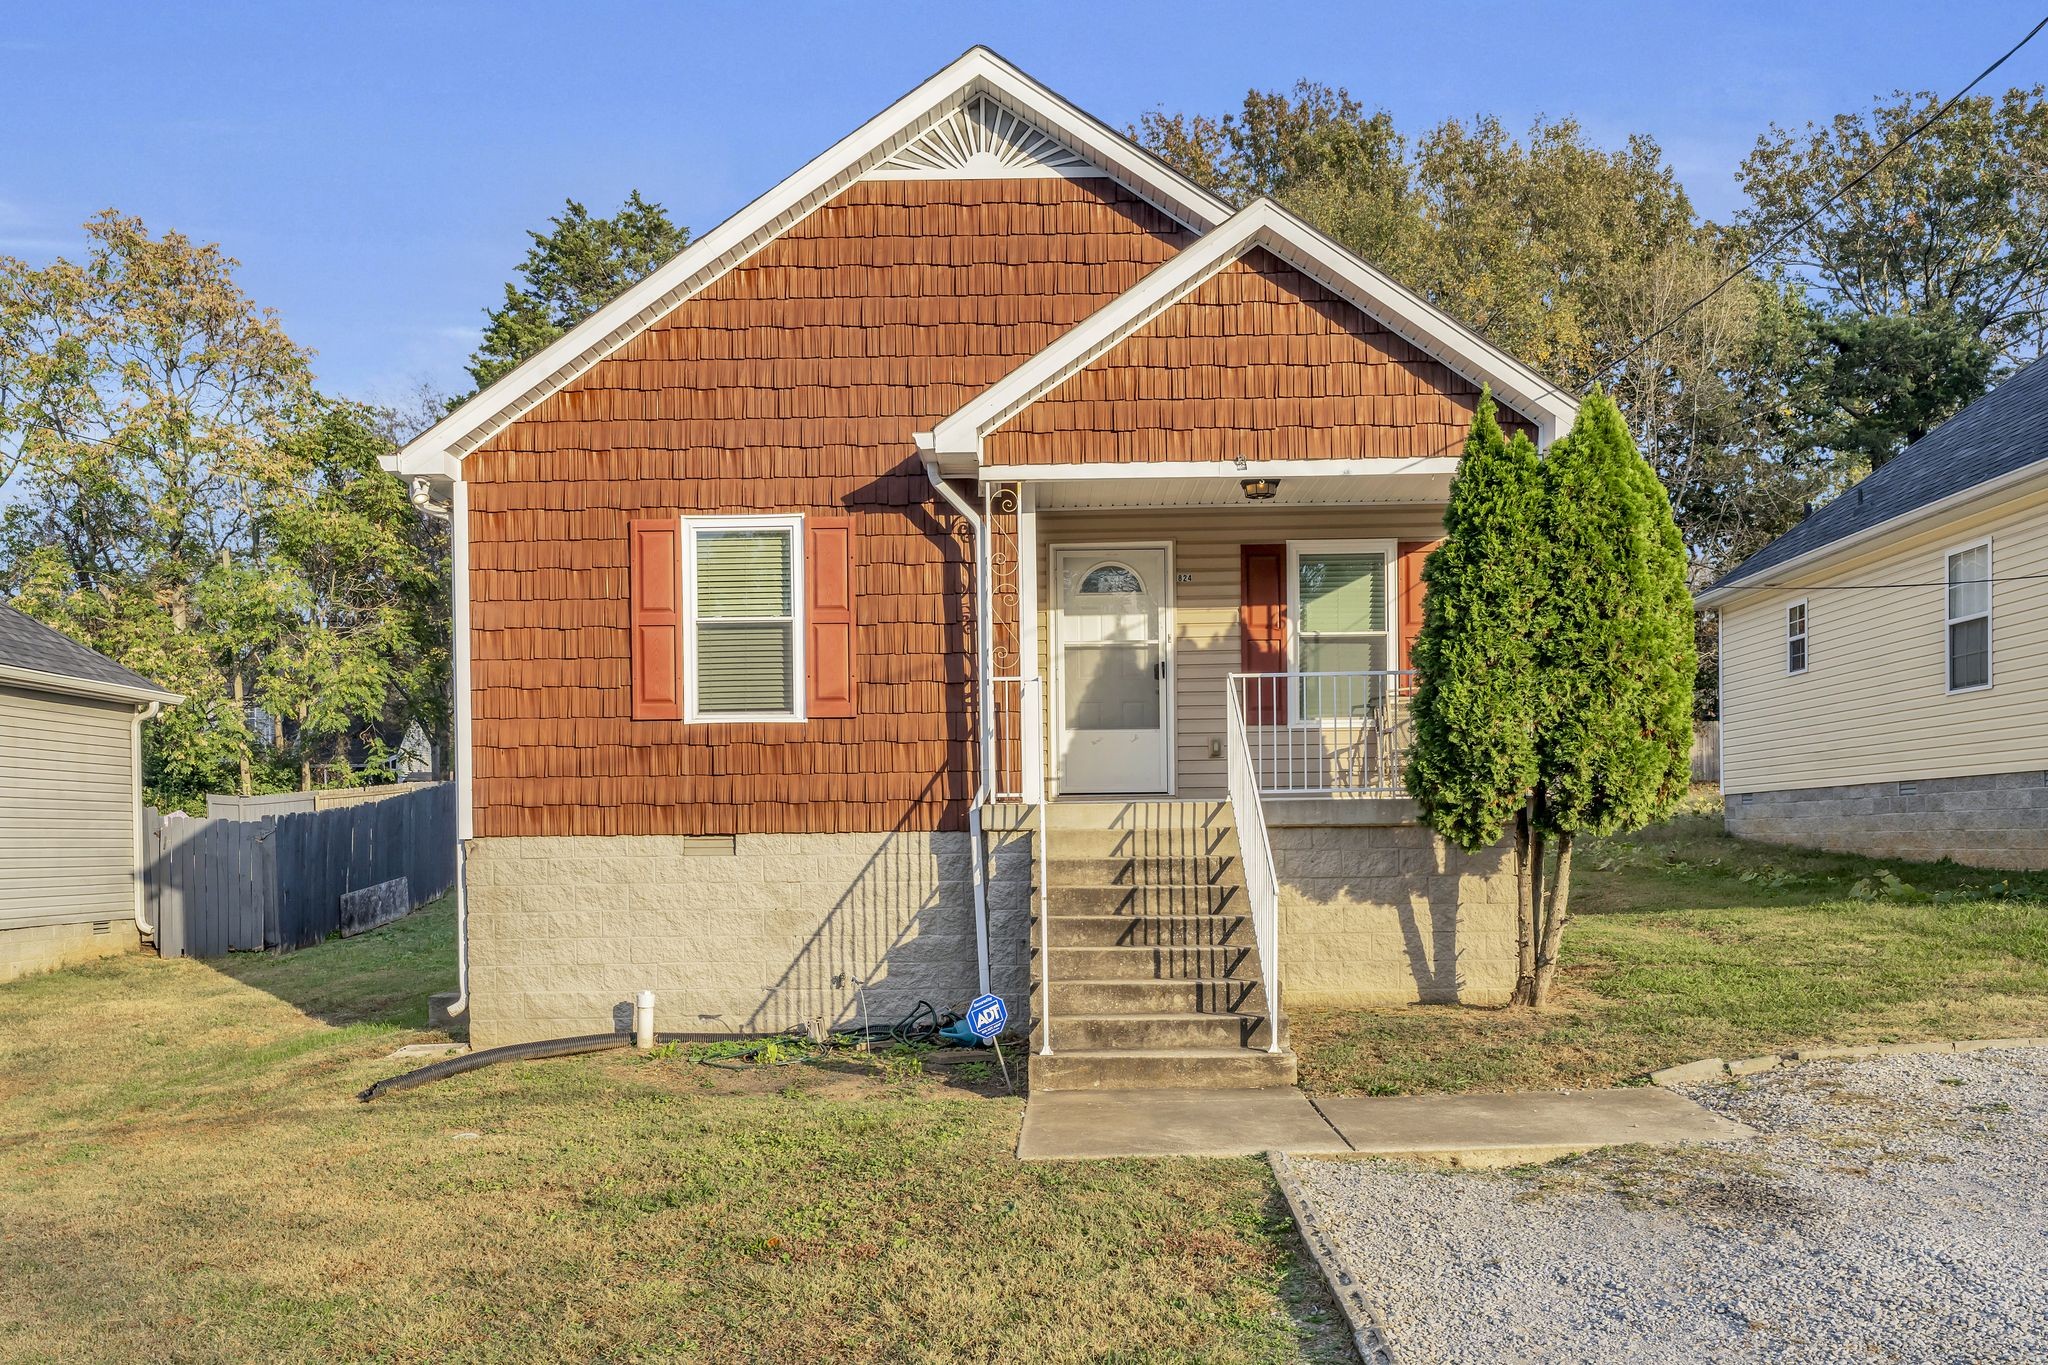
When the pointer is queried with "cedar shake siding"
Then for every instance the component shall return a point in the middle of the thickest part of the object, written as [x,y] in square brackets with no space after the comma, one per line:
[1258,362]
[792,384]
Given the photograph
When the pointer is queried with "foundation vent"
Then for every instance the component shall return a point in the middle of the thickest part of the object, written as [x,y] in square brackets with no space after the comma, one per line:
[1908,788]
[103,926]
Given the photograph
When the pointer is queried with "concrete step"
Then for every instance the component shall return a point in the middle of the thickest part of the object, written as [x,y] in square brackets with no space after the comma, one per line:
[1156,1032]
[1146,1069]
[1154,962]
[1125,931]
[1203,871]
[1211,841]
[1075,995]
[1135,814]
[1223,898]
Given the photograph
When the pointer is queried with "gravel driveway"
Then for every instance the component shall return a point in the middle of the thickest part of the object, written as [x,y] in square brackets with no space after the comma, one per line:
[1891,1210]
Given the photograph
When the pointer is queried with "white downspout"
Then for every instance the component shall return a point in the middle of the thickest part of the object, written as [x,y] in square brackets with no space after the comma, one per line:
[456,513]
[982,668]
[142,924]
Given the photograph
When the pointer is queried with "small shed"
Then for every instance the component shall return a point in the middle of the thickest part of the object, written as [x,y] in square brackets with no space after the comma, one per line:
[70,798]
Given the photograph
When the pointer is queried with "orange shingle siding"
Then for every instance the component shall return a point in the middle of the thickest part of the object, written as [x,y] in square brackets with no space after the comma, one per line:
[1259,362]
[791,384]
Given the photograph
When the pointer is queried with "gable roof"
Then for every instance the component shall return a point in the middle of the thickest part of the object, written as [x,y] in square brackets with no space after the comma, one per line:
[33,655]
[1994,440]
[1262,224]
[962,96]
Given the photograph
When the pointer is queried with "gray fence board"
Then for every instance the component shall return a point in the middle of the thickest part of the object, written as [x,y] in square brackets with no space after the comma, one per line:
[222,885]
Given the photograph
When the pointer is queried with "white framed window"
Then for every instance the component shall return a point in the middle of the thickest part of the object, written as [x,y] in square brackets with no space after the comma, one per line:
[1341,615]
[1969,617]
[1795,637]
[743,642]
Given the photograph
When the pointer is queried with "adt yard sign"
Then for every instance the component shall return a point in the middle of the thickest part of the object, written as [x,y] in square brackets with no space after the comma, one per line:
[986,1016]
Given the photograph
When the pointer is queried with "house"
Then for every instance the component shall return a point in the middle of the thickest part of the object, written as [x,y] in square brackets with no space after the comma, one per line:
[1884,664]
[71,852]
[985,507]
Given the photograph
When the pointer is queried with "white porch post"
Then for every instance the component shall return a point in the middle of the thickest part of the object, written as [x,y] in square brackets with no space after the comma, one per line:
[1032,698]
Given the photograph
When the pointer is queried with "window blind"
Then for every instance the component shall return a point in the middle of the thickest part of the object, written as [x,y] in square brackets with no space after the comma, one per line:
[746,633]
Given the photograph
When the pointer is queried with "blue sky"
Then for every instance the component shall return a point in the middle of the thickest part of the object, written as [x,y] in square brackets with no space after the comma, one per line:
[375,165]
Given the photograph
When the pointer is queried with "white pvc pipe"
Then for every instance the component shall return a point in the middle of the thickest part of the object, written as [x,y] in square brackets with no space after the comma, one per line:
[643,1021]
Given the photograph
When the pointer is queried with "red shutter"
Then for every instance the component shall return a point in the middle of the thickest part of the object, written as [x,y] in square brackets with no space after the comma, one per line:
[1413,553]
[657,617]
[828,611]
[1262,628]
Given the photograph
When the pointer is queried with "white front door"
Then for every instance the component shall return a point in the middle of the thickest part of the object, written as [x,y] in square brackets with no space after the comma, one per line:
[1110,670]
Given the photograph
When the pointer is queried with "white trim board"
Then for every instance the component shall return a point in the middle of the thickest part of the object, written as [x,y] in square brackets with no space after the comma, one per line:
[63,684]
[1264,223]
[1219,469]
[978,73]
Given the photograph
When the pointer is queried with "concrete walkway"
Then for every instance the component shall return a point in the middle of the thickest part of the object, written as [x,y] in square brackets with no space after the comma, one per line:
[1499,1130]
[1065,1125]
[1466,1130]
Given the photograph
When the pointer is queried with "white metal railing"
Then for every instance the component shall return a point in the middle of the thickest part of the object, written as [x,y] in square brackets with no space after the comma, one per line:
[1262,887]
[1325,734]
[1017,716]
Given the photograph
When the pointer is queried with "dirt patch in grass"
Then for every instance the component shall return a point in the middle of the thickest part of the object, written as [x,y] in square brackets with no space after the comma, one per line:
[186,1175]
[1687,943]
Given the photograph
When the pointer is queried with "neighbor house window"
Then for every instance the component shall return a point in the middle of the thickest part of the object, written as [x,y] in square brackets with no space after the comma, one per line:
[744,602]
[1969,618]
[1795,638]
[1341,609]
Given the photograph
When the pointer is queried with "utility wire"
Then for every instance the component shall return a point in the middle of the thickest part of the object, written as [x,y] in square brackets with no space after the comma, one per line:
[1772,245]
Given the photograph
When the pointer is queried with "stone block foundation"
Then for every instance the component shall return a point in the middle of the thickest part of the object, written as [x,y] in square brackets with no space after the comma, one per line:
[1998,820]
[46,947]
[749,935]
[1377,910]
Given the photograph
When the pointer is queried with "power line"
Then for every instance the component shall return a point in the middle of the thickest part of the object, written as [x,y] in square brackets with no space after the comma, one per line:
[1808,220]
[1884,587]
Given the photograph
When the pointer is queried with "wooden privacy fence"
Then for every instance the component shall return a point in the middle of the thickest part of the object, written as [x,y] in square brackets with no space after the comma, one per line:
[1706,751]
[219,885]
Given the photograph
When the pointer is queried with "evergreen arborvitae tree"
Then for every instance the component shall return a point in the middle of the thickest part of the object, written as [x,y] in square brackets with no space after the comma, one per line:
[1614,654]
[1472,759]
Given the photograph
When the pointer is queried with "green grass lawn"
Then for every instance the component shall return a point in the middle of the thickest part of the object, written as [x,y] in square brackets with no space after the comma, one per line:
[185,1174]
[1686,943]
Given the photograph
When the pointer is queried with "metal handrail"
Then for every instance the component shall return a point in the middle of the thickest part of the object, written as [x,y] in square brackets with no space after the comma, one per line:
[1326,733]
[1262,887]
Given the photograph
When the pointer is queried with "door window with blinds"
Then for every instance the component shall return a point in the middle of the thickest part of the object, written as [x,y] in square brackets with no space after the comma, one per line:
[1340,612]
[743,637]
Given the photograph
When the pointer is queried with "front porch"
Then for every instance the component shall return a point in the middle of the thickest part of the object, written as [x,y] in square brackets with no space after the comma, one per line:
[1197,717]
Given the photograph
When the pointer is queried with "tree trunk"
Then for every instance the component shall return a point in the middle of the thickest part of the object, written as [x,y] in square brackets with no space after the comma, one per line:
[1525,915]
[1555,915]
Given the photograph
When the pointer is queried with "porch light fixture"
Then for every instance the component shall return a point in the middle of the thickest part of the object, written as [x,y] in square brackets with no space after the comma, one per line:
[1259,490]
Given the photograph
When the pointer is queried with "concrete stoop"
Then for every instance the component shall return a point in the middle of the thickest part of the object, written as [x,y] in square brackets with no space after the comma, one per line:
[1154,964]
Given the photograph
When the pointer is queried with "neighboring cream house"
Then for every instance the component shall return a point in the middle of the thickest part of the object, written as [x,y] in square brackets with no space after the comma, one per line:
[1884,664]
[70,799]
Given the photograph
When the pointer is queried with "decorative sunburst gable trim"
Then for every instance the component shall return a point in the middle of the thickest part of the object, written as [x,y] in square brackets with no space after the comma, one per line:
[983,140]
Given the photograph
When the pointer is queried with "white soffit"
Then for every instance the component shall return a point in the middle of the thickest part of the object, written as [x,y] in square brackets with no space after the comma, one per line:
[1314,490]
[977,76]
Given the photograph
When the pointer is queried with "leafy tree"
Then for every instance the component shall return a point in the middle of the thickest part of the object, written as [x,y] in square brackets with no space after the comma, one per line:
[1557,661]
[573,269]
[1472,762]
[1614,655]
[183,500]
[1954,223]
[1874,384]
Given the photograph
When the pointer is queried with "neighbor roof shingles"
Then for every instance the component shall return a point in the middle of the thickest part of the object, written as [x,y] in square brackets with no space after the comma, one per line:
[29,644]
[2004,431]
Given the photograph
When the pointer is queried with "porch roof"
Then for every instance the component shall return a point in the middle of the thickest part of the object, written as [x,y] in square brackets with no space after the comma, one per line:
[1301,483]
